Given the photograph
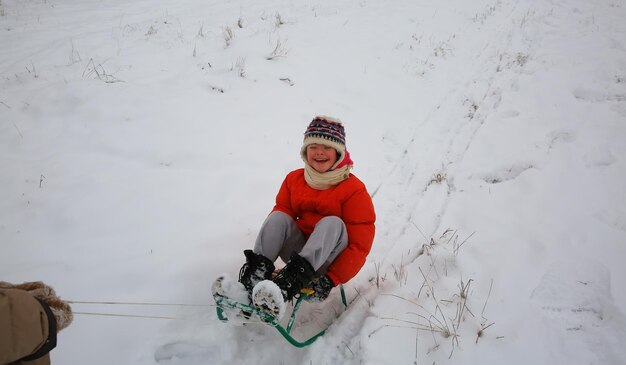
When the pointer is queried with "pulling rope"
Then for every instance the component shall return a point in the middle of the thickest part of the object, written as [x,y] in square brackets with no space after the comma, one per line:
[131,303]
[135,304]
[123,315]
[247,321]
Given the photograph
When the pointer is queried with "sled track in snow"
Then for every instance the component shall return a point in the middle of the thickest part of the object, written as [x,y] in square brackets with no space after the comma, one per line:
[491,64]
[483,81]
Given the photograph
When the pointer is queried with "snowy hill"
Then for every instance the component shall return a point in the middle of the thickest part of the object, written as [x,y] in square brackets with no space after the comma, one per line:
[142,144]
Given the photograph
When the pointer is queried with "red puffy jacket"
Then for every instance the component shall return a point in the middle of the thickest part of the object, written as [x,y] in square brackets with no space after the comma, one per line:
[349,200]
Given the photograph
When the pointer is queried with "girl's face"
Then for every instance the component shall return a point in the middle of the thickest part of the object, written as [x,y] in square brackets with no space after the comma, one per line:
[321,157]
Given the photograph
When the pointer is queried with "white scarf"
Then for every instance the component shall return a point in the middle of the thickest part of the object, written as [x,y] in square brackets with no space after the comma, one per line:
[324,180]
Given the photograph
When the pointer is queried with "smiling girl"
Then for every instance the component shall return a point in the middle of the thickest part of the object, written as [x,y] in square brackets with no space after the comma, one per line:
[322,225]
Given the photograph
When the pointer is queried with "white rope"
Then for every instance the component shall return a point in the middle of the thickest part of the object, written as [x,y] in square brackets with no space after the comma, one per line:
[136,304]
[131,303]
[248,321]
[123,315]
[242,322]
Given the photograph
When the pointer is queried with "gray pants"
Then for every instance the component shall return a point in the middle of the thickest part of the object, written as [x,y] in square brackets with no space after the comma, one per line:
[280,236]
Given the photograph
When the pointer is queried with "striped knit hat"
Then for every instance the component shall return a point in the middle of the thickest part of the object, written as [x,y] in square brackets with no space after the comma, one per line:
[327,131]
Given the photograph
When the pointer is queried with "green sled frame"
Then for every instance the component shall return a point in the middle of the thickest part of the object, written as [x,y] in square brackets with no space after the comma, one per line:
[227,303]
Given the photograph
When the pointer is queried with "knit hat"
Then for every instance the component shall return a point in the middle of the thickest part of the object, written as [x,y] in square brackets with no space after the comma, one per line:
[327,131]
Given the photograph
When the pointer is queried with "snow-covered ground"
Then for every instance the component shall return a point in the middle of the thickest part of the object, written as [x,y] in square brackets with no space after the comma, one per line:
[142,144]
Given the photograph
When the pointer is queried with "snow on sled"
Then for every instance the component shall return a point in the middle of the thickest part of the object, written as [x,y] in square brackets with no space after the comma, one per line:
[227,304]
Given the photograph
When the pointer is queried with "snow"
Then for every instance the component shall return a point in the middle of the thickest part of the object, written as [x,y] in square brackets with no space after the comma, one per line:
[266,294]
[228,286]
[140,154]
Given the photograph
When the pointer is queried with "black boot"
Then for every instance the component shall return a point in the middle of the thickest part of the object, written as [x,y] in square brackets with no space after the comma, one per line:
[270,296]
[321,286]
[257,268]
[294,276]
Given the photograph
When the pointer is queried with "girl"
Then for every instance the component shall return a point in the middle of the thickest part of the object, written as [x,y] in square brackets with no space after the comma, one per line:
[322,225]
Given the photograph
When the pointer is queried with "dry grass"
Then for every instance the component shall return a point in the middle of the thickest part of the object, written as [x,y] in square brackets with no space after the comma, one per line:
[97,71]
[228,36]
[280,50]
[278,20]
[239,67]
[442,311]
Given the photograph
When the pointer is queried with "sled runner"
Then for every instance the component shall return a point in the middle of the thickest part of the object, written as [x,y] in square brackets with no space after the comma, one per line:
[228,303]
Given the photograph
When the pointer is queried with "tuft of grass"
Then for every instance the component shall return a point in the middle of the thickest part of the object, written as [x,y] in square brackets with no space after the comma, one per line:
[239,67]
[97,71]
[278,20]
[379,279]
[201,31]
[74,55]
[443,316]
[32,70]
[287,81]
[441,50]
[488,12]
[521,59]
[438,178]
[217,89]
[482,329]
[151,31]
[524,20]
[457,246]
[280,50]
[473,108]
[399,272]
[228,36]
[16,128]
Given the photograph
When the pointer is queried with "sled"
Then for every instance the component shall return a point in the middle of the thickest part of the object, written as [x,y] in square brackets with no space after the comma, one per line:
[228,303]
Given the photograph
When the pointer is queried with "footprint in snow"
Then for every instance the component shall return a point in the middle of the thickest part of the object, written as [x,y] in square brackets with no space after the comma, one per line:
[599,156]
[509,114]
[507,173]
[599,96]
[560,136]
[187,353]
[575,300]
[574,295]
